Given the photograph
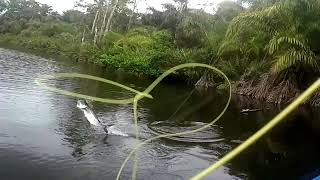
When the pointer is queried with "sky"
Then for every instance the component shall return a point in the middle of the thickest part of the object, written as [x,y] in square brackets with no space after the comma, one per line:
[63,5]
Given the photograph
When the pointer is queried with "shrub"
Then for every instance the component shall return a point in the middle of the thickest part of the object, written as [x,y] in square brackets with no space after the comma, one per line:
[142,50]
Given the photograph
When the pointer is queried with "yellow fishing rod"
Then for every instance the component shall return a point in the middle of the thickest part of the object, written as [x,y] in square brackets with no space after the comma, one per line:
[267,128]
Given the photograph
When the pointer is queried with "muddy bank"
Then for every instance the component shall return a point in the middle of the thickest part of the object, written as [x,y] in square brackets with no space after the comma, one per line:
[269,88]
[273,89]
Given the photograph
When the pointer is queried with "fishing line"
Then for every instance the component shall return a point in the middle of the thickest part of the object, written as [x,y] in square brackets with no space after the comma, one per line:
[152,86]
[40,81]
[181,105]
[135,114]
[267,128]
[139,95]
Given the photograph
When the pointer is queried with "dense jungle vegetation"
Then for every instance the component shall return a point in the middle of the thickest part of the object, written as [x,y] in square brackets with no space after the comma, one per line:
[269,48]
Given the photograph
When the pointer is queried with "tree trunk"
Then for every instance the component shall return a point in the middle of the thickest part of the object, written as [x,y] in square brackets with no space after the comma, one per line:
[111,15]
[84,33]
[103,26]
[95,21]
[95,39]
[96,34]
[132,13]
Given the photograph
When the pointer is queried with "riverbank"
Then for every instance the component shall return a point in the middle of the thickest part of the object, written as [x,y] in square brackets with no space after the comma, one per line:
[149,54]
[270,88]
[49,47]
[143,53]
[265,87]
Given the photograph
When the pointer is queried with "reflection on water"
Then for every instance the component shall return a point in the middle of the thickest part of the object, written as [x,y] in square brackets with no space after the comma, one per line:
[43,135]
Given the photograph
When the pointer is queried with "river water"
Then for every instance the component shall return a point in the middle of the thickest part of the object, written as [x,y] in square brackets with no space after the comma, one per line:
[43,135]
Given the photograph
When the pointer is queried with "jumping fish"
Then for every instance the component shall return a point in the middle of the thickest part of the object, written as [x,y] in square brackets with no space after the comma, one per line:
[94,121]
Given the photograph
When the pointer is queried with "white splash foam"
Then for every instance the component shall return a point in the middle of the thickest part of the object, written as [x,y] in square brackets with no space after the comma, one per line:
[114,131]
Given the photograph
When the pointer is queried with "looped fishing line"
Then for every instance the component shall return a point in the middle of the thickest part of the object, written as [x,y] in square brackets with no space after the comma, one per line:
[139,96]
[168,136]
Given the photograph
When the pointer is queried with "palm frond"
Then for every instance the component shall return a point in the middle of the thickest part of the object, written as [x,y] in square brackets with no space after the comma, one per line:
[276,42]
[294,57]
[261,19]
[228,46]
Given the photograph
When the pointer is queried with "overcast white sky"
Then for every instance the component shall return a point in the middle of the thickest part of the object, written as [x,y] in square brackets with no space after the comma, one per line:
[62,5]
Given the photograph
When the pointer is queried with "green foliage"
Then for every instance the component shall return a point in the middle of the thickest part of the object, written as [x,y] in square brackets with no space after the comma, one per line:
[274,36]
[110,38]
[290,52]
[168,19]
[56,28]
[141,51]
[73,16]
[51,46]
[16,14]
[283,32]
[190,34]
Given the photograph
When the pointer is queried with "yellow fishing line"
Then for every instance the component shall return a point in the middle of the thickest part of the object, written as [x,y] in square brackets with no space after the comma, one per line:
[151,87]
[140,95]
[42,78]
[135,114]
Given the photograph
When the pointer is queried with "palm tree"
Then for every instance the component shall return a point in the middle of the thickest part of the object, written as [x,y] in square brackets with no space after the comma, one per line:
[291,26]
